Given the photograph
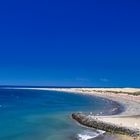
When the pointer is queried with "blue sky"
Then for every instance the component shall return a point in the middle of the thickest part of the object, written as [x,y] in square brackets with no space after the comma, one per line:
[70,43]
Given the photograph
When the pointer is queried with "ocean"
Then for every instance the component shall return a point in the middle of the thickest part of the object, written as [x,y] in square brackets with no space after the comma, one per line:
[27,114]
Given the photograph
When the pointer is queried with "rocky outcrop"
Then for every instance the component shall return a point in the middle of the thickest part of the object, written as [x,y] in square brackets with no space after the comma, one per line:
[93,122]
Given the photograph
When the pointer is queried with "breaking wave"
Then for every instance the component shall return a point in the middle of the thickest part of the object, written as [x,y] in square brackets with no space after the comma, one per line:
[89,134]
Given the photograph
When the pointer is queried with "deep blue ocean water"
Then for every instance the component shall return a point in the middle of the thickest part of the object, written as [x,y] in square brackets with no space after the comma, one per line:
[27,114]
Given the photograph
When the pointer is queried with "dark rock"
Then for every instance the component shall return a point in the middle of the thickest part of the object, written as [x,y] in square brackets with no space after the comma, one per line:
[108,127]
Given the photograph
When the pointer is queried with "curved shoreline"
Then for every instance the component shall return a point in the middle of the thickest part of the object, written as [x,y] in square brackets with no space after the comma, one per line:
[126,122]
[129,118]
[131,107]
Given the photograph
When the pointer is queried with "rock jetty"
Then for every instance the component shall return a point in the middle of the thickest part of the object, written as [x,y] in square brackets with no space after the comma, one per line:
[93,122]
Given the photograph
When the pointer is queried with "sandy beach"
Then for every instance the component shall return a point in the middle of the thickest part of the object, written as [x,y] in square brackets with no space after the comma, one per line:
[128,97]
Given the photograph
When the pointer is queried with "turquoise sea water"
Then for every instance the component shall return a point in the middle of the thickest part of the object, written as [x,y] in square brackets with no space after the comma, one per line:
[45,115]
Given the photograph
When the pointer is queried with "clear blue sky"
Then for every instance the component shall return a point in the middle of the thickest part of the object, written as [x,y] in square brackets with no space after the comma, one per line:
[70,43]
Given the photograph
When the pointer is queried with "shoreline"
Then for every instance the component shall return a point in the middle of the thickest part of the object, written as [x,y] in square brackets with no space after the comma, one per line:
[131,107]
[130,103]
[129,118]
[126,123]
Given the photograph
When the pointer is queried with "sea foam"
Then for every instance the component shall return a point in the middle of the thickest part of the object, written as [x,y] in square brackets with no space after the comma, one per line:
[89,134]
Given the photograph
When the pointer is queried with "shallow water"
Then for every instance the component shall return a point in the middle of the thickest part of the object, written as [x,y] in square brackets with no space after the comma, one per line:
[46,115]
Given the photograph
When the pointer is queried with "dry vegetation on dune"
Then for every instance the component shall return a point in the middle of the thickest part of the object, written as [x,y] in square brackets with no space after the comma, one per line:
[129,91]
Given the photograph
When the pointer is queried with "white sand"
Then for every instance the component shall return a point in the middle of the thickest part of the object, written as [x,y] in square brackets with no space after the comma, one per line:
[129,118]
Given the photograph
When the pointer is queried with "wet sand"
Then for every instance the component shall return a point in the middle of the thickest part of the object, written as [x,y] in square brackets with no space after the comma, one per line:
[128,97]
[130,117]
